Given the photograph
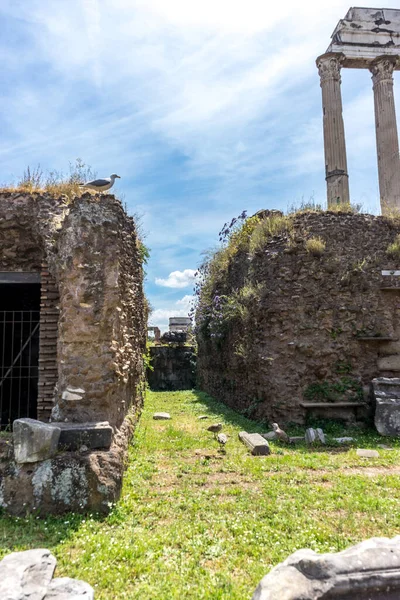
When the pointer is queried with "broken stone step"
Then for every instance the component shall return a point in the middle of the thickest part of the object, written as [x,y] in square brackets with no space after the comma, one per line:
[161,416]
[257,445]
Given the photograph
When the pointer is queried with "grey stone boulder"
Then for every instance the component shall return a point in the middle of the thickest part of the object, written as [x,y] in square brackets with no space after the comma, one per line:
[387,416]
[74,436]
[314,436]
[29,576]
[369,570]
[26,574]
[161,416]
[386,391]
[366,453]
[65,588]
[34,441]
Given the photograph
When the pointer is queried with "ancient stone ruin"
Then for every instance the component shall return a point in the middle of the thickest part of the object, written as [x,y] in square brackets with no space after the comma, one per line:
[299,325]
[72,336]
[367,38]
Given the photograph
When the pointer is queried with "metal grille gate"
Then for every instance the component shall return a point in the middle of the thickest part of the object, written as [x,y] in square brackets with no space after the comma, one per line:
[19,353]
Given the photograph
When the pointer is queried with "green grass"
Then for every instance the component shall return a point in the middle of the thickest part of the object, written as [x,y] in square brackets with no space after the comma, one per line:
[197,524]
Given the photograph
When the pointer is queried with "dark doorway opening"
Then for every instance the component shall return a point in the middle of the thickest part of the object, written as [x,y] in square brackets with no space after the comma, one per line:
[19,351]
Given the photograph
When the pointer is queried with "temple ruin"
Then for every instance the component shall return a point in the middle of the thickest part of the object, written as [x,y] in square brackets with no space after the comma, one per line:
[367,38]
[72,336]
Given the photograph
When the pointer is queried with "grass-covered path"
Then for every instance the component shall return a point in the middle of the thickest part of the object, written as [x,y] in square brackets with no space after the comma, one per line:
[196,524]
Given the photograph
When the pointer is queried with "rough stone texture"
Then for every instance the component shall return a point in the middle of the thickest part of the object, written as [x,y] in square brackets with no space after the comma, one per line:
[257,445]
[370,569]
[365,34]
[173,368]
[28,576]
[93,335]
[34,441]
[90,249]
[387,416]
[309,317]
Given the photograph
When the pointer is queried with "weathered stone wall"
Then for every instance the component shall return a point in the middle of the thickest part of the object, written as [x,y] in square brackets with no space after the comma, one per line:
[306,319]
[92,340]
[173,368]
[90,249]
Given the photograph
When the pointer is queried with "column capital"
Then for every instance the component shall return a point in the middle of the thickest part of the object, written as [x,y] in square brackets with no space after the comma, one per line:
[382,68]
[329,66]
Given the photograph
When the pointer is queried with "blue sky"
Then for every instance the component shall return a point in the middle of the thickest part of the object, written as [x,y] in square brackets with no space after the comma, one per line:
[204,108]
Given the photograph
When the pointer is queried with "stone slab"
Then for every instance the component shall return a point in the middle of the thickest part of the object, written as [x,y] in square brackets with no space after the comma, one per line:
[161,416]
[366,453]
[34,441]
[92,435]
[369,570]
[344,440]
[257,445]
[389,363]
[387,416]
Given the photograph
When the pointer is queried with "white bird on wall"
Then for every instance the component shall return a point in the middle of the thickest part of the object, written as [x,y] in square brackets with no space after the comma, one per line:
[101,185]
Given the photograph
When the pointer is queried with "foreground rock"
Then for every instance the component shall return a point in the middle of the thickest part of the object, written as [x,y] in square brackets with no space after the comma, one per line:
[29,576]
[370,569]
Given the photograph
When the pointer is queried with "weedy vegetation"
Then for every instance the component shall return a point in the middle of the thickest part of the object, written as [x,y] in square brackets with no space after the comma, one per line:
[393,250]
[315,246]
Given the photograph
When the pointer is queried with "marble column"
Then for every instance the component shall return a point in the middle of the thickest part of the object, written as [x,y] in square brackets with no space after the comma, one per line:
[337,179]
[387,142]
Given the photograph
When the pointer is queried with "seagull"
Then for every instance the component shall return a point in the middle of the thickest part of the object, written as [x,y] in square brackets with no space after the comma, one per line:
[215,428]
[222,439]
[101,185]
[280,434]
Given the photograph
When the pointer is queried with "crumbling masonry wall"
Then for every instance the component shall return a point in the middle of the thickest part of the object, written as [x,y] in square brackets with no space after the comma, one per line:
[313,325]
[92,340]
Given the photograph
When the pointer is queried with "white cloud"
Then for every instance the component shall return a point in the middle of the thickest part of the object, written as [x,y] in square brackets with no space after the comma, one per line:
[177,279]
[180,308]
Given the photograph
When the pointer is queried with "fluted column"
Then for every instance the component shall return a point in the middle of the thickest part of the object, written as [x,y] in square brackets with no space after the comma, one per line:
[337,179]
[387,142]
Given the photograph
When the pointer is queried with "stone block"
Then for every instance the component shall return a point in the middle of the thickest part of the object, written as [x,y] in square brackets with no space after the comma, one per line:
[344,440]
[161,416]
[389,363]
[34,441]
[370,569]
[366,453]
[73,436]
[386,387]
[26,574]
[315,436]
[387,416]
[257,445]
